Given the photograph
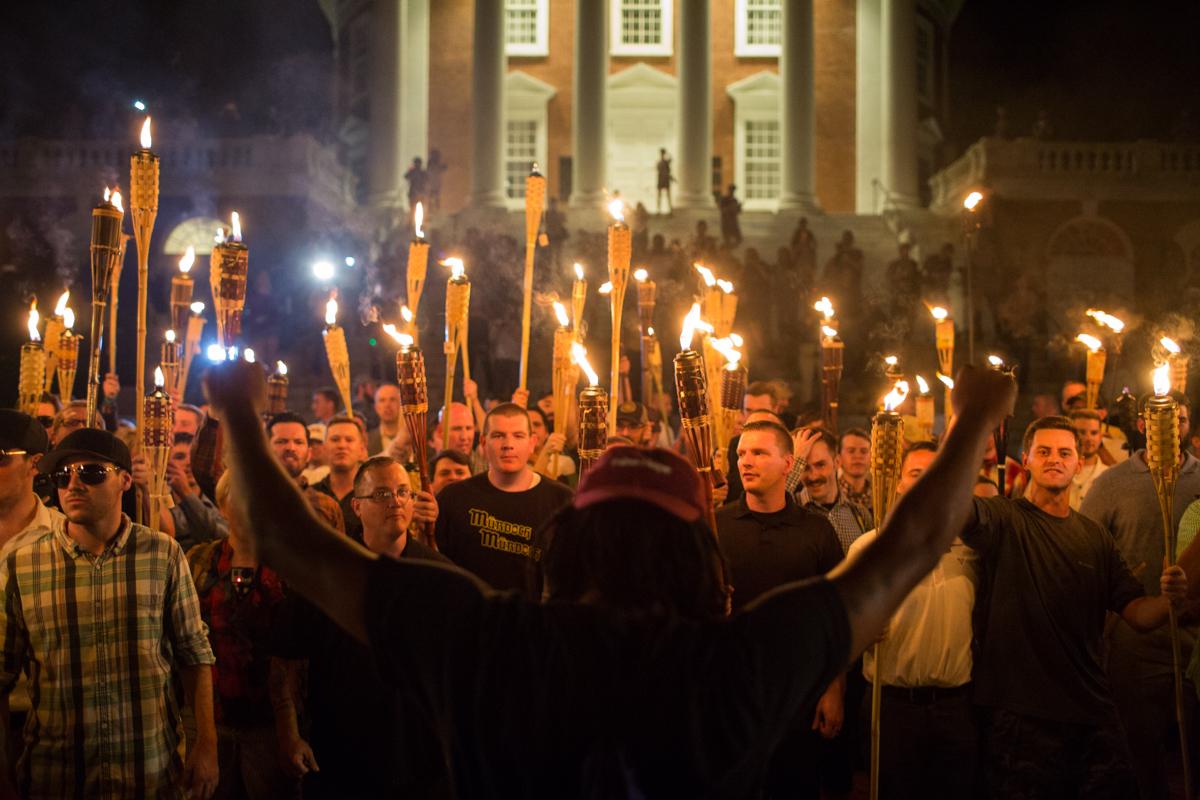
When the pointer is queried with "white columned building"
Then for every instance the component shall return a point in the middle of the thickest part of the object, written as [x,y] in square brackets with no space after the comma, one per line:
[693,165]
[487,106]
[898,121]
[798,120]
[589,126]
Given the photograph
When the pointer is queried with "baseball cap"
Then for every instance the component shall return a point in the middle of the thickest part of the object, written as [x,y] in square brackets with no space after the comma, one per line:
[87,443]
[316,433]
[20,431]
[656,476]
[631,413]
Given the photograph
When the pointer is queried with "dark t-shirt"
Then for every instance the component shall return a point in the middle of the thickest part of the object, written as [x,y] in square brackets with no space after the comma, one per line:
[1048,582]
[369,739]
[769,550]
[346,504]
[572,701]
[489,532]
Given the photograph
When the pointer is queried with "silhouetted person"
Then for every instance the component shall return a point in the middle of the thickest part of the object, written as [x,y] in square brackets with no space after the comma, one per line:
[556,232]
[418,181]
[731,229]
[804,248]
[665,179]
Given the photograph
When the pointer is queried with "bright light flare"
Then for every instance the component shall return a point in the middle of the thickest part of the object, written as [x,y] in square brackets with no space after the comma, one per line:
[331,309]
[560,311]
[323,270]
[1091,342]
[640,275]
[938,313]
[896,397]
[579,357]
[115,199]
[737,339]
[145,137]
[197,308]
[215,353]
[189,258]
[248,354]
[891,361]
[706,273]
[922,385]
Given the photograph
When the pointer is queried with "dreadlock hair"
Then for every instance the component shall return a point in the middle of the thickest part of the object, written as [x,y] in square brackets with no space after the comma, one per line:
[637,558]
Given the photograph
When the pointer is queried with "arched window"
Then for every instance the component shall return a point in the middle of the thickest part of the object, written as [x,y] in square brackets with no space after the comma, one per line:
[197,232]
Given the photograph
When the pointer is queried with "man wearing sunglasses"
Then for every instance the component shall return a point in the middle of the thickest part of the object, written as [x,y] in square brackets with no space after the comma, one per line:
[23,442]
[103,614]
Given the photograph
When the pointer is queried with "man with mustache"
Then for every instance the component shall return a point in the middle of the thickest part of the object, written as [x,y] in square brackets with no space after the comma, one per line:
[822,492]
[289,438]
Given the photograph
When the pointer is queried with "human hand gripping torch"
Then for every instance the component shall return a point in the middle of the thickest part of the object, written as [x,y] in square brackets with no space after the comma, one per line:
[52,337]
[458,314]
[691,388]
[106,251]
[1096,357]
[33,366]
[68,356]
[158,411]
[561,364]
[418,264]
[143,206]
[535,204]
[277,389]
[1161,416]
[887,451]
[191,343]
[1177,362]
[1000,435]
[228,266]
[593,413]
[337,353]
[925,409]
[620,252]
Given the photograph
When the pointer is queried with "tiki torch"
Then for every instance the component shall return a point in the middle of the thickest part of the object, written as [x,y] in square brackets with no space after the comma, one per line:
[948,412]
[143,206]
[887,452]
[171,362]
[1177,362]
[593,413]
[33,366]
[228,265]
[418,263]
[277,389]
[943,332]
[646,290]
[925,409]
[1000,435]
[1096,357]
[52,336]
[106,250]
[733,393]
[535,204]
[578,300]
[710,301]
[158,411]
[620,251]
[68,356]
[337,353]
[691,388]
[832,353]
[114,296]
[181,291]
[458,314]
[1161,416]
[191,343]
[561,375]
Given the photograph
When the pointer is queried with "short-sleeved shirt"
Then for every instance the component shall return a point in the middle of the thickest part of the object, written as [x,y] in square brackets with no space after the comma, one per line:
[1049,581]
[103,636]
[769,550]
[574,701]
[489,532]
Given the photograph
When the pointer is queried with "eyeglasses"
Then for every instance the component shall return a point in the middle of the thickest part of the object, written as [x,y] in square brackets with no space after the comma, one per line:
[6,456]
[89,474]
[387,495]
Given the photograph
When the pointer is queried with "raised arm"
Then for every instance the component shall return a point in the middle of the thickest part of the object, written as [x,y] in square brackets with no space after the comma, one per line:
[328,569]
[926,519]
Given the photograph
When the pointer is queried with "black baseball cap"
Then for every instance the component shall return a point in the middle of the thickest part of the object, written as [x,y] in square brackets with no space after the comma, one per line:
[87,443]
[20,431]
[631,413]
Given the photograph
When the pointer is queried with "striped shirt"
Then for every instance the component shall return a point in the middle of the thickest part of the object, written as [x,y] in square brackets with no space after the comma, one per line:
[101,636]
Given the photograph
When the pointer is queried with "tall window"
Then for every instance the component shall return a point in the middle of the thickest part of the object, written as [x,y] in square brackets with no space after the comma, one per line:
[526,27]
[761,153]
[758,26]
[520,151]
[641,27]
[525,126]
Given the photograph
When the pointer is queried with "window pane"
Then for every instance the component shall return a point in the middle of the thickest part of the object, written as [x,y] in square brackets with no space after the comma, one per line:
[764,22]
[521,22]
[762,159]
[520,151]
[641,22]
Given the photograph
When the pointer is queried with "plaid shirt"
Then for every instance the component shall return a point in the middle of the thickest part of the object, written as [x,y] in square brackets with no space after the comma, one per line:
[849,520]
[101,636]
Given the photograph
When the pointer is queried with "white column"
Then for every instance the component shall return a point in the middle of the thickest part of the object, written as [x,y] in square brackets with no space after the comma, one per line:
[589,122]
[868,108]
[488,66]
[387,161]
[899,122]
[414,133]
[798,121]
[693,60]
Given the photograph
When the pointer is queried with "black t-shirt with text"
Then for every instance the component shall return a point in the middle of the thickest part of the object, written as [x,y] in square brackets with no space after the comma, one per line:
[489,532]
[1048,582]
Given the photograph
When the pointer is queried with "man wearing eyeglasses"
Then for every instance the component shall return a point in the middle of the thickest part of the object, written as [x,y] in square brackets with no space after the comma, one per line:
[364,742]
[103,613]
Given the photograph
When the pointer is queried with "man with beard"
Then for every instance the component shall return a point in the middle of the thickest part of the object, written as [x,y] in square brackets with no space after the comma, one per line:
[1051,728]
[288,435]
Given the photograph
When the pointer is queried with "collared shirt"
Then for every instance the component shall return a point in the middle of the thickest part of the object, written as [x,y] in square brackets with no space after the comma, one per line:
[849,520]
[102,636]
[862,498]
[1082,483]
[928,640]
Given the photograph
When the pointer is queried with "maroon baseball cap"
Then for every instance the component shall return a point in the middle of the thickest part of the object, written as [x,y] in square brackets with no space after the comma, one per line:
[656,476]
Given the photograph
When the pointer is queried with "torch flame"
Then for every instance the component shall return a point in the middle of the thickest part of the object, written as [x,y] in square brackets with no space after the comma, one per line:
[922,385]
[116,200]
[1162,380]
[896,397]
[160,380]
[236,225]
[248,354]
[418,218]
[650,331]
[726,286]
[605,288]
[331,309]
[145,137]
[1171,346]
[197,307]
[68,316]
[825,307]
[891,361]
[579,357]
[34,318]
[617,208]
[690,322]
[946,380]
[736,339]
[995,360]
[578,271]
[938,313]
[1090,341]
[706,273]
[402,338]
[971,201]
[1106,319]
[61,305]
[280,368]
[219,236]
[830,333]
[457,270]
[170,336]
[560,311]
[406,313]
[640,275]
[107,194]
[189,258]
[725,347]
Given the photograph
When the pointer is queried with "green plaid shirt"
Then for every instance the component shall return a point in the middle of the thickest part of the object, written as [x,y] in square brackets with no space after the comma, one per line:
[101,637]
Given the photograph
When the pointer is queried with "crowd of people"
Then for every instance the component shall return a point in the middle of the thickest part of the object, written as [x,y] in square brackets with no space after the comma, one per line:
[308,618]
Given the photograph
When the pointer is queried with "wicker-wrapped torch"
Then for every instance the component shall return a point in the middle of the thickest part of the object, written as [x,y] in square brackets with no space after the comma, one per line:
[458,315]
[33,367]
[143,208]
[535,204]
[414,277]
[593,413]
[229,264]
[338,354]
[691,389]
[106,251]
[159,413]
